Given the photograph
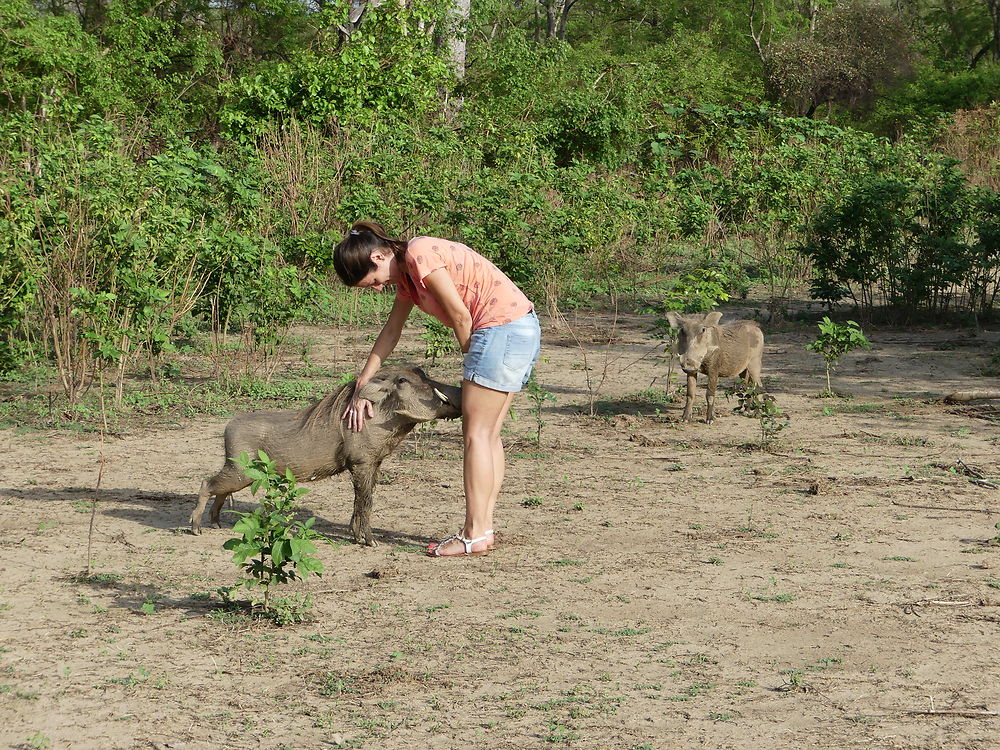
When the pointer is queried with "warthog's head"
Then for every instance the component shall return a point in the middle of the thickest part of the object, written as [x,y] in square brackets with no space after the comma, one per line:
[697,337]
[410,394]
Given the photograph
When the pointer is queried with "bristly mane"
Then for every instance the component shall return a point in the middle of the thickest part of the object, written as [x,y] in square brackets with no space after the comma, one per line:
[331,406]
[328,408]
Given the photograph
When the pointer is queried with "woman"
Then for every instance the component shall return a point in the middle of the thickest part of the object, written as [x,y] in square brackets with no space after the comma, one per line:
[496,327]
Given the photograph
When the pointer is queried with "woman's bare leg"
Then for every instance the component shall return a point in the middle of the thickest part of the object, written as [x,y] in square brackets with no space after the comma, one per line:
[499,458]
[483,412]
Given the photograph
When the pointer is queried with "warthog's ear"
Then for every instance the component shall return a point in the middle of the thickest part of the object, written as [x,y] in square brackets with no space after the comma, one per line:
[712,319]
[674,319]
[375,390]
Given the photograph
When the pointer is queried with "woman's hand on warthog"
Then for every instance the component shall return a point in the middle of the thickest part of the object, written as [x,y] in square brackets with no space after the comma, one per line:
[356,412]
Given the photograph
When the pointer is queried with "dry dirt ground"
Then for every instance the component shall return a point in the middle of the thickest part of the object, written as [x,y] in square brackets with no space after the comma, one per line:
[658,585]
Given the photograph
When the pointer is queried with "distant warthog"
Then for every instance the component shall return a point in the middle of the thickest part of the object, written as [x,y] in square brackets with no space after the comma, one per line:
[315,442]
[734,348]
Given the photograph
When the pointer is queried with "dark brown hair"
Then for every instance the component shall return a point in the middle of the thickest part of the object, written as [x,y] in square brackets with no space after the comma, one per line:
[352,257]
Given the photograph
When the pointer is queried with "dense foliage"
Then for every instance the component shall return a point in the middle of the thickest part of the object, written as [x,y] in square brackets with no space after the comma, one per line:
[173,164]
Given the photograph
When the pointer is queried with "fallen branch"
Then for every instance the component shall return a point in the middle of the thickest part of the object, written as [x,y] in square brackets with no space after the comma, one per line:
[912,608]
[962,396]
[970,713]
[940,507]
[985,483]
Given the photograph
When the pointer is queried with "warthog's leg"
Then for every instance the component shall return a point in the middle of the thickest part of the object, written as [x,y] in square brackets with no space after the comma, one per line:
[199,509]
[713,381]
[692,384]
[752,372]
[363,476]
[220,500]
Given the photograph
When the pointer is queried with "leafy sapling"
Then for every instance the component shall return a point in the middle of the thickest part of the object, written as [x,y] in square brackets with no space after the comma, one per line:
[834,341]
[273,547]
[756,403]
[439,339]
[538,395]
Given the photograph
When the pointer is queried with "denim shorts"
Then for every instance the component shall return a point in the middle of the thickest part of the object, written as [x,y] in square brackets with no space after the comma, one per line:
[501,357]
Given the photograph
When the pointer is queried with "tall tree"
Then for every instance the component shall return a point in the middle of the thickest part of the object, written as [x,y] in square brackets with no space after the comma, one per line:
[854,48]
[458,33]
[556,17]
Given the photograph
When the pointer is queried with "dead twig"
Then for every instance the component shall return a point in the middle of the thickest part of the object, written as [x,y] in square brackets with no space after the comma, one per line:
[941,507]
[967,712]
[912,608]
[985,483]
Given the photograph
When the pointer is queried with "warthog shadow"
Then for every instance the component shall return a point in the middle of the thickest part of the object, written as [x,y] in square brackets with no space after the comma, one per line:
[169,511]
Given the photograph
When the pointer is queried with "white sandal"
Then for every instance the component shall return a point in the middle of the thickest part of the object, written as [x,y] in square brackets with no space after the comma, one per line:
[433,550]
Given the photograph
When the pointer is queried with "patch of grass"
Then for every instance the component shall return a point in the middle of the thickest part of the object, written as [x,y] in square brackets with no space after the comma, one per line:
[624,632]
[849,407]
[520,613]
[900,558]
[779,598]
[335,684]
[565,563]
[557,733]
[411,548]
[229,616]
[715,716]
[531,502]
[692,691]
[130,680]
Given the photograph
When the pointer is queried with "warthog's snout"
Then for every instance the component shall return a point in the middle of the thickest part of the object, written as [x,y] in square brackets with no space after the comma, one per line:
[450,398]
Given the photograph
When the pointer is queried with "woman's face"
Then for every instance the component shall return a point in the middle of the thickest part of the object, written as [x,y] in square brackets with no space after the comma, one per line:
[384,273]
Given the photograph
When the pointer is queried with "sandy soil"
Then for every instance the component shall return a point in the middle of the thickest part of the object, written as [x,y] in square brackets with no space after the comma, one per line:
[666,585]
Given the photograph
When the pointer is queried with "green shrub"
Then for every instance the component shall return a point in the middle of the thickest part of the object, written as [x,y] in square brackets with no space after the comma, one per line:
[274,548]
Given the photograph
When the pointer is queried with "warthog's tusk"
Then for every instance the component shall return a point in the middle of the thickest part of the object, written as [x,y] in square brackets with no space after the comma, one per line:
[442,396]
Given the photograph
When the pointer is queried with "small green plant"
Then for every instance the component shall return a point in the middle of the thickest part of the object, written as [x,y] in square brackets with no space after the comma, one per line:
[996,539]
[559,733]
[834,341]
[531,502]
[538,396]
[438,338]
[753,402]
[38,741]
[273,547]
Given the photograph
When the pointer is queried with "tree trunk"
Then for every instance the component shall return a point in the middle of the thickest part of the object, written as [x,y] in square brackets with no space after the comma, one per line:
[459,29]
[556,16]
[994,8]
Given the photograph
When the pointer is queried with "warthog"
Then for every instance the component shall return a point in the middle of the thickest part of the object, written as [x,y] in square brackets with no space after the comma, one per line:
[734,348]
[315,442]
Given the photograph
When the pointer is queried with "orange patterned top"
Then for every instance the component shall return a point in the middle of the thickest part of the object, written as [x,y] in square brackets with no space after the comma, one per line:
[491,297]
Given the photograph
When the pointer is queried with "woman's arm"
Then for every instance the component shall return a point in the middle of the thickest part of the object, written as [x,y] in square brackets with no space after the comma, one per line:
[439,284]
[381,349]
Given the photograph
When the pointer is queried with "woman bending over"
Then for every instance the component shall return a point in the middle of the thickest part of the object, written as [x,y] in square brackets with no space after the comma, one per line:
[496,327]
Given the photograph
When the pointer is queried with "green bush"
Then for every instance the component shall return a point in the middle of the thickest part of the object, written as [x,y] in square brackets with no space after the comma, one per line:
[901,240]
